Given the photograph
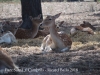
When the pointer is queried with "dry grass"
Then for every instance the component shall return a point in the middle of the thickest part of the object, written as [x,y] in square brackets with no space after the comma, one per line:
[85,37]
[83,57]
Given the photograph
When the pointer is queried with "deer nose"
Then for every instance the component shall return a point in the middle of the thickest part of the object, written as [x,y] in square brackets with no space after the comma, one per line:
[41,27]
[40,24]
[16,28]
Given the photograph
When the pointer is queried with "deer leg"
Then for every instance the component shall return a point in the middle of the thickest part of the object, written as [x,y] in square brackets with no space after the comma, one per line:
[46,46]
[65,49]
[43,44]
[13,39]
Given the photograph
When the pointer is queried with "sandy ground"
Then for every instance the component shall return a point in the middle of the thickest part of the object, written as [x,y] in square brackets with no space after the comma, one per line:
[84,56]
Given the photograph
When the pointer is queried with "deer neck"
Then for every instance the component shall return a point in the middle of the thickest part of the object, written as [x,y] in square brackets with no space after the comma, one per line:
[55,37]
[34,30]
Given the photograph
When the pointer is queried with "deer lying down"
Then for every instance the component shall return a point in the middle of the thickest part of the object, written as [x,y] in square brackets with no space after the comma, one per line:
[85,27]
[56,41]
[11,26]
[8,38]
[6,61]
[29,33]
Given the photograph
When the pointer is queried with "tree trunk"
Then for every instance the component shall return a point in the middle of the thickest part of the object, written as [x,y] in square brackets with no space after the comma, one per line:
[30,8]
[95,0]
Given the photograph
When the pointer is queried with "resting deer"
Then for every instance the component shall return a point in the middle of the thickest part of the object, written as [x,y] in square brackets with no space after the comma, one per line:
[86,27]
[7,37]
[87,24]
[11,26]
[56,41]
[6,61]
[29,33]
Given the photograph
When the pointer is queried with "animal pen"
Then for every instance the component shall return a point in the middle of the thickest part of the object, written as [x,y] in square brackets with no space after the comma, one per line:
[84,56]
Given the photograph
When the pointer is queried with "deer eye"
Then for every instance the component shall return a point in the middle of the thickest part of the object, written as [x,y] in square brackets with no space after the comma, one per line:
[50,19]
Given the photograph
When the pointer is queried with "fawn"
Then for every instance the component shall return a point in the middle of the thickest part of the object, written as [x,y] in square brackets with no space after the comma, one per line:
[85,27]
[6,61]
[11,26]
[6,37]
[56,41]
[29,33]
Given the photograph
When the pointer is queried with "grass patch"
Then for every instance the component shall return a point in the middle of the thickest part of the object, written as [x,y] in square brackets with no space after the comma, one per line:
[84,37]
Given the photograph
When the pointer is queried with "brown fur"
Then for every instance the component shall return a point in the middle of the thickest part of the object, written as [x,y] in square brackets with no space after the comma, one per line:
[43,32]
[11,26]
[29,33]
[68,41]
[57,41]
[88,29]
[87,24]
[85,27]
[6,60]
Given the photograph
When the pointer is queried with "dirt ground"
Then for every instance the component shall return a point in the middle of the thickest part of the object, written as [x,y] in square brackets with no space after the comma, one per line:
[82,59]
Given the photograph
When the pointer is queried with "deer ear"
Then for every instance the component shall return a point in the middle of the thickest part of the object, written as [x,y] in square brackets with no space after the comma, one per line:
[39,16]
[31,17]
[57,15]
[20,23]
[61,23]
[8,22]
[84,22]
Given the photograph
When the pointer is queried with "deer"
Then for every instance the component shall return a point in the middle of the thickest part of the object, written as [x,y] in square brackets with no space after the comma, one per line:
[11,26]
[8,67]
[8,37]
[87,24]
[29,33]
[6,61]
[85,27]
[55,41]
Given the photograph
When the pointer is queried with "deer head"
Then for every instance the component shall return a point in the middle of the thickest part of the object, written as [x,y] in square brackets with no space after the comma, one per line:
[29,33]
[36,20]
[49,20]
[11,26]
[60,24]
[87,24]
